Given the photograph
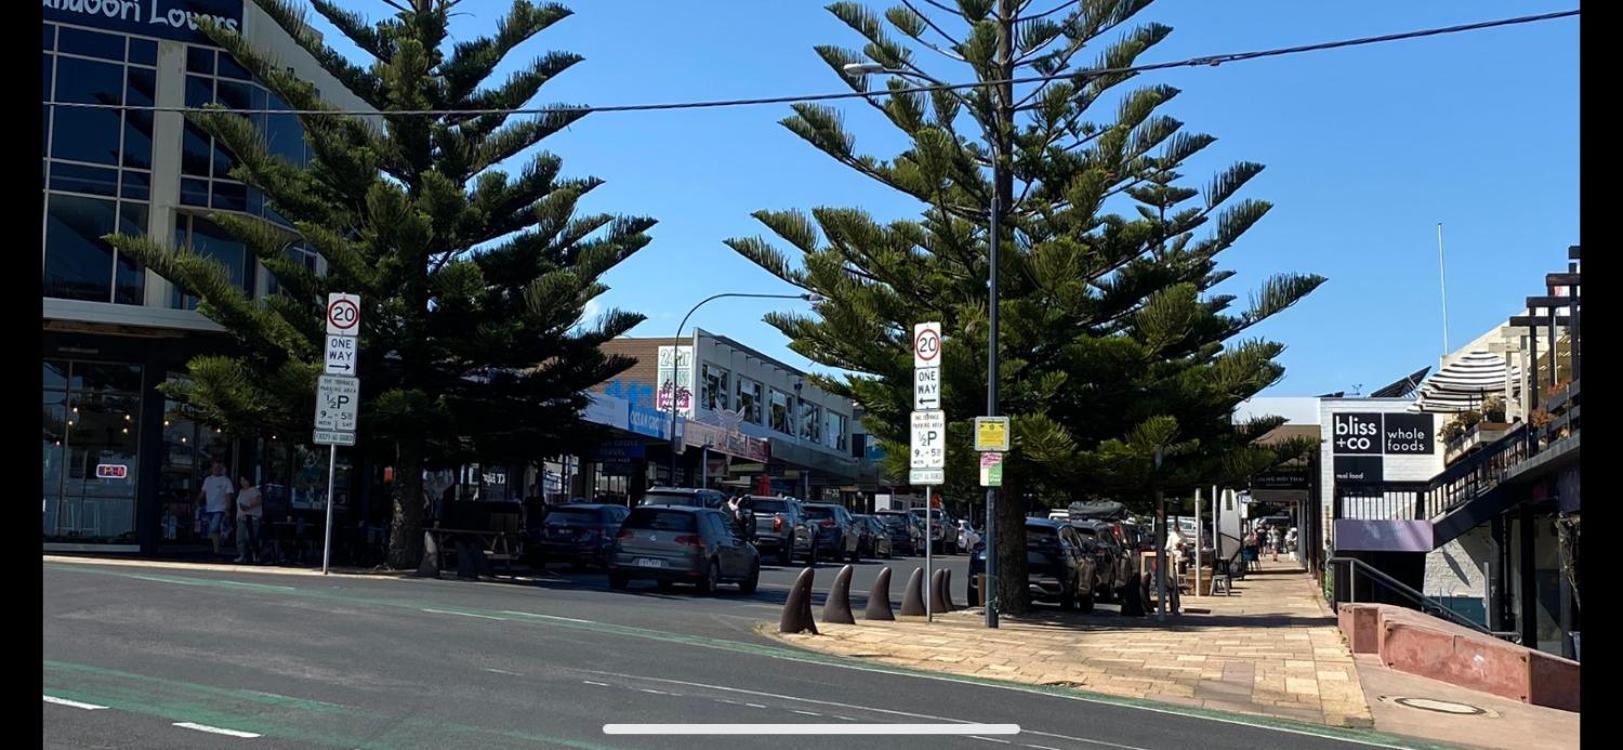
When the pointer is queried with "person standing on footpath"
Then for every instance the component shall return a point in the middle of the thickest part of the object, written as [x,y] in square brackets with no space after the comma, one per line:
[250,514]
[216,495]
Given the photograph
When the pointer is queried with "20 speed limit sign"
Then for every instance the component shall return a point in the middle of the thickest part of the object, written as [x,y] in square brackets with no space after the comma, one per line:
[926,345]
[343,314]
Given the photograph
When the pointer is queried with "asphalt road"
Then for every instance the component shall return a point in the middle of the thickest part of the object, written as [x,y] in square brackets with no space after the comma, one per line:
[159,658]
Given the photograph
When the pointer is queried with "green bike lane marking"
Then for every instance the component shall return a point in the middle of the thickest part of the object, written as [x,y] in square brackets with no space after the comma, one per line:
[1345,734]
[271,715]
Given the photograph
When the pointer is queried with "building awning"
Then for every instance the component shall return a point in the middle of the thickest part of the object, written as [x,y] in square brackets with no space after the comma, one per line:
[1466,382]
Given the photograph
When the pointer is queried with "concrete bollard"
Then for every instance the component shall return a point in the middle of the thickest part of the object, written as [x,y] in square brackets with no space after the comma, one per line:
[837,607]
[879,598]
[938,600]
[797,614]
[946,591]
[913,596]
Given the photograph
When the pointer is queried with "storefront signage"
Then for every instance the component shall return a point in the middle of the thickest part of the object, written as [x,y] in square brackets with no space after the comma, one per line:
[1408,435]
[168,19]
[730,442]
[1359,469]
[112,471]
[1282,479]
[620,451]
[1356,433]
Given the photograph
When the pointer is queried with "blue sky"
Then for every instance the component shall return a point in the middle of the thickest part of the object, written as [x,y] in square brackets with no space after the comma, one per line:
[1367,149]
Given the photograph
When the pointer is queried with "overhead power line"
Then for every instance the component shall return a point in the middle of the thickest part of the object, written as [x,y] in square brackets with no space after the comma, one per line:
[1081,73]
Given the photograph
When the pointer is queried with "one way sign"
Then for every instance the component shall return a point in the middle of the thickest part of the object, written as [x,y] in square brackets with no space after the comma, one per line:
[341,351]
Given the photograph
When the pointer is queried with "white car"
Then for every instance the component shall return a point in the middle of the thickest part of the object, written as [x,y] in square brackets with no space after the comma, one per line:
[967,538]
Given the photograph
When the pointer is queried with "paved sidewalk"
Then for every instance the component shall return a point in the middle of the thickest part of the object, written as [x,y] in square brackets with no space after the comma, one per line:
[1271,649]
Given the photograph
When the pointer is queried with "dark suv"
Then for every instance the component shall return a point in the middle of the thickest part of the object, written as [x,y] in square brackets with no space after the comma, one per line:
[781,529]
[837,533]
[1057,567]
[905,536]
[581,534]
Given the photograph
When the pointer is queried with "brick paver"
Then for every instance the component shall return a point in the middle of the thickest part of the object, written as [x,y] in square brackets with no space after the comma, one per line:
[1272,648]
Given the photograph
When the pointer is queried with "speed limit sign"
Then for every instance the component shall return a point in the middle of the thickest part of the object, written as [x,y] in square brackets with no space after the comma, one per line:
[343,314]
[926,345]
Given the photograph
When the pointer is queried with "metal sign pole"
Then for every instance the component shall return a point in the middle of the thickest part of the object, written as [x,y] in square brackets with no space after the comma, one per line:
[929,512]
[1197,541]
[326,544]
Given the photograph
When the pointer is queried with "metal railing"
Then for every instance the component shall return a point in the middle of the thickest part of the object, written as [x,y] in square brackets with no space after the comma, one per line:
[1476,474]
[1356,569]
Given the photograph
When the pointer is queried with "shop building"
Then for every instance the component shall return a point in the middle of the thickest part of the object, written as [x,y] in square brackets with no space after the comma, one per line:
[121,470]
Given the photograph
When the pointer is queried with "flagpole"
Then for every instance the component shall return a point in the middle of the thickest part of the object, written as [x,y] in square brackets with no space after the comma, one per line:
[1442,281]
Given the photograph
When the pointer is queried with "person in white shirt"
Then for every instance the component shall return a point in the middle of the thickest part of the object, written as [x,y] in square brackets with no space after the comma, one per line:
[250,512]
[216,496]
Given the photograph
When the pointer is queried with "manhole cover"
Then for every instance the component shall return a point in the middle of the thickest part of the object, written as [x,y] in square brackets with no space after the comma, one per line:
[1442,707]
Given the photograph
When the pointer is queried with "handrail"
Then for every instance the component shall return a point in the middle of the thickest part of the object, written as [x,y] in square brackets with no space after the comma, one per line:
[1421,600]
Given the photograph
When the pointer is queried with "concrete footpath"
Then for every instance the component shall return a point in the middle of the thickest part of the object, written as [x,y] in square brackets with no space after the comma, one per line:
[1272,649]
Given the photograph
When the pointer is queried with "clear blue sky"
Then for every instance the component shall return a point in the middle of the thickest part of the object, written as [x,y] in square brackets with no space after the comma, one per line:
[1367,149]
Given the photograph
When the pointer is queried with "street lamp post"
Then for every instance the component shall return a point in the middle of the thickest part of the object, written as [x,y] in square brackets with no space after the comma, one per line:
[676,344]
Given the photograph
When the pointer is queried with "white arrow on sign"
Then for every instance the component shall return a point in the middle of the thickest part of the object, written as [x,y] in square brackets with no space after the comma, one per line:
[341,353]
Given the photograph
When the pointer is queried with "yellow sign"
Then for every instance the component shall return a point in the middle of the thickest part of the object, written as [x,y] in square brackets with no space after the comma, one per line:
[992,434]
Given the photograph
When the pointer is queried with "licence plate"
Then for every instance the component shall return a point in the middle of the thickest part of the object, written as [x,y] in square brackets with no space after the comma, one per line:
[648,562]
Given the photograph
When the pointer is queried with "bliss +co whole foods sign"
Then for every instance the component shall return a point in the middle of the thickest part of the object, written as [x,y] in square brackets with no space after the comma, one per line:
[1360,441]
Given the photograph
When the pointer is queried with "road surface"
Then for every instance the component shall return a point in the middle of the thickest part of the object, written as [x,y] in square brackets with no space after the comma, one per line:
[161,658]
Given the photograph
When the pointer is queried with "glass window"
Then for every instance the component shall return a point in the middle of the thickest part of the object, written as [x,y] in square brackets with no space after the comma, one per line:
[49,41]
[90,44]
[717,385]
[91,462]
[834,431]
[78,264]
[194,192]
[230,196]
[143,51]
[81,133]
[811,422]
[77,178]
[141,91]
[230,68]
[55,374]
[136,186]
[781,419]
[200,60]
[129,283]
[106,378]
[210,240]
[749,400]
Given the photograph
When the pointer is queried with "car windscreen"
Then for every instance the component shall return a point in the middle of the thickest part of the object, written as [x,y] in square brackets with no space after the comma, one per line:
[764,507]
[813,511]
[661,520]
[893,520]
[1040,536]
[575,517]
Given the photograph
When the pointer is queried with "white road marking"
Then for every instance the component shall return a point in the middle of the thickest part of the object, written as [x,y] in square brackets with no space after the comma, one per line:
[807,729]
[655,692]
[808,713]
[215,730]
[844,718]
[463,614]
[1041,747]
[989,739]
[72,704]
[549,617]
[837,704]
[599,684]
[502,671]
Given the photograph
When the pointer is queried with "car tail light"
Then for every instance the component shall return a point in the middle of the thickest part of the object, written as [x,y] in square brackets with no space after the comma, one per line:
[690,539]
[777,522]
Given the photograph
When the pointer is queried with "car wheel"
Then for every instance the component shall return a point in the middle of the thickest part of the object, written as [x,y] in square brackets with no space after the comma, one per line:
[747,586]
[786,554]
[711,575]
[1086,605]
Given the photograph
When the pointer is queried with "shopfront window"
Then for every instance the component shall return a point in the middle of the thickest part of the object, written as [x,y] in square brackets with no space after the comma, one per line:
[835,432]
[212,241]
[811,422]
[716,387]
[782,418]
[91,419]
[749,400]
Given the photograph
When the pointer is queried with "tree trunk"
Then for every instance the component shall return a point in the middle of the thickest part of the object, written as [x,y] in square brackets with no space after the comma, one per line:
[1013,597]
[406,526]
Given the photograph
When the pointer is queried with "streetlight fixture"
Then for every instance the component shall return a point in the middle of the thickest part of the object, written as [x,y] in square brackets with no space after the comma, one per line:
[989,595]
[677,342]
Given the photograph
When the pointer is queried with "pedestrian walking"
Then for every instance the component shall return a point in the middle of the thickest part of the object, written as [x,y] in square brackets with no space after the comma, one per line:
[1273,542]
[1290,541]
[216,496]
[250,516]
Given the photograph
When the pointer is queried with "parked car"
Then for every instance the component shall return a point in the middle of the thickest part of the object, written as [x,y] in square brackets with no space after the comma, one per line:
[697,498]
[837,533]
[906,537]
[580,535]
[1057,567]
[943,538]
[686,544]
[875,537]
[782,531]
[967,536]
[1112,560]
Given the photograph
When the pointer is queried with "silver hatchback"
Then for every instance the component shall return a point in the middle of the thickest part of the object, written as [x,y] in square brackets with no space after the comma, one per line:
[683,544]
